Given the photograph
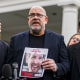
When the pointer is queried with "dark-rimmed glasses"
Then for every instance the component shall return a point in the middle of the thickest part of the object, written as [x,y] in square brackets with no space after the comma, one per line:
[38,15]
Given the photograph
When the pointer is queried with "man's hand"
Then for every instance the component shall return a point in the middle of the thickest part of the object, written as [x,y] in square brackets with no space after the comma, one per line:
[49,64]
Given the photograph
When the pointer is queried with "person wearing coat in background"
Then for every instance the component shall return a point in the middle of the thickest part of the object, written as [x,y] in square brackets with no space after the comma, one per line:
[73,49]
[3,54]
[74,57]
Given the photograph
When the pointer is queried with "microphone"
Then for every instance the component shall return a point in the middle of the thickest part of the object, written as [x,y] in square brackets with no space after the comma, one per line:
[15,67]
[6,72]
[15,72]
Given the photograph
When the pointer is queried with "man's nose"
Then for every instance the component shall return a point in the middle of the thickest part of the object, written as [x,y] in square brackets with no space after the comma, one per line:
[36,60]
[35,17]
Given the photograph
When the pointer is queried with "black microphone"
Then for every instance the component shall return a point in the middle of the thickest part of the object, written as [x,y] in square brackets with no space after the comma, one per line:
[6,72]
[15,71]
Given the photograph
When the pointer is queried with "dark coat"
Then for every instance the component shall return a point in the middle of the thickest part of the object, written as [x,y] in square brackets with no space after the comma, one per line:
[74,56]
[53,41]
[3,54]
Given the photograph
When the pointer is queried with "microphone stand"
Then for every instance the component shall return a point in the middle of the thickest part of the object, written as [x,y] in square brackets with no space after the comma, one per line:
[15,67]
[15,72]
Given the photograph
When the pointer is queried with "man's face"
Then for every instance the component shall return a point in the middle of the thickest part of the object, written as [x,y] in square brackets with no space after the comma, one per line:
[34,62]
[37,19]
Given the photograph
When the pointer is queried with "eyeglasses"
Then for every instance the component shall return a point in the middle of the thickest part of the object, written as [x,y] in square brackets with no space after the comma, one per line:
[38,15]
[77,39]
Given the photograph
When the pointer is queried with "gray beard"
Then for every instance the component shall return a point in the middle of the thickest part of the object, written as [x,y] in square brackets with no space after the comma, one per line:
[36,31]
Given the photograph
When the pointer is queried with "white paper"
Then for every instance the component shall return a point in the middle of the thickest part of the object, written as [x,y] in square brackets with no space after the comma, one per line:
[31,62]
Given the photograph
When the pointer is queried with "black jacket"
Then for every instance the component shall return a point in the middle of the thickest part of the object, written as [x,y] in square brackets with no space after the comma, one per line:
[3,54]
[74,57]
[53,41]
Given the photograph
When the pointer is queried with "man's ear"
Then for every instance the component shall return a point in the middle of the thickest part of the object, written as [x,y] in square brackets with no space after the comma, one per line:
[28,18]
[46,20]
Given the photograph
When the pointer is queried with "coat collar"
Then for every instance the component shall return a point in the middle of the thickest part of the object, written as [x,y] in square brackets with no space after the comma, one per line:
[26,38]
[46,41]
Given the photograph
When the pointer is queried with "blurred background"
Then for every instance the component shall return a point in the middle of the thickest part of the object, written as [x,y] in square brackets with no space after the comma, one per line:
[13,16]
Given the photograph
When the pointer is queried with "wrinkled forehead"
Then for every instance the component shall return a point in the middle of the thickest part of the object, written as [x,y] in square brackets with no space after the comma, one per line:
[37,10]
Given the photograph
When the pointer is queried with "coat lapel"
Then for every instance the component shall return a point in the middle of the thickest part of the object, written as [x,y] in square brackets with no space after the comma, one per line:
[26,39]
[46,42]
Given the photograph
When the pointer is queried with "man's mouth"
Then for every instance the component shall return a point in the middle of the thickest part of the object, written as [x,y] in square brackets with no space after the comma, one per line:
[35,23]
[35,68]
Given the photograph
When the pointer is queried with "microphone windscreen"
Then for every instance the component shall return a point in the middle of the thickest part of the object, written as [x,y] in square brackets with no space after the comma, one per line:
[7,71]
[15,65]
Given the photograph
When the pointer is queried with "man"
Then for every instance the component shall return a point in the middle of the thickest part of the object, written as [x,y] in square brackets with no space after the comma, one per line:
[34,62]
[38,37]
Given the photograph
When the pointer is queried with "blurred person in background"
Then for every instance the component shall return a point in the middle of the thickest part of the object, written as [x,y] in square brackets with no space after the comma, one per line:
[3,52]
[74,39]
[73,49]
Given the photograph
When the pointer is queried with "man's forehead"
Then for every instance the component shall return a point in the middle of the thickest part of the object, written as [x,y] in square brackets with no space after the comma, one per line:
[37,54]
[37,10]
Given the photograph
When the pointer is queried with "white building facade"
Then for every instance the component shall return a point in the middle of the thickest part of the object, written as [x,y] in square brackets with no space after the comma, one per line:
[69,12]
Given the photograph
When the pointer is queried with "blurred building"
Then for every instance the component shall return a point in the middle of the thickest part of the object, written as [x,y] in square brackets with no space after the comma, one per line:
[63,16]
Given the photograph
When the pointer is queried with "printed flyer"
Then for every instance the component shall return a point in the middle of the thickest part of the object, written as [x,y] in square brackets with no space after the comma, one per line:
[31,65]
